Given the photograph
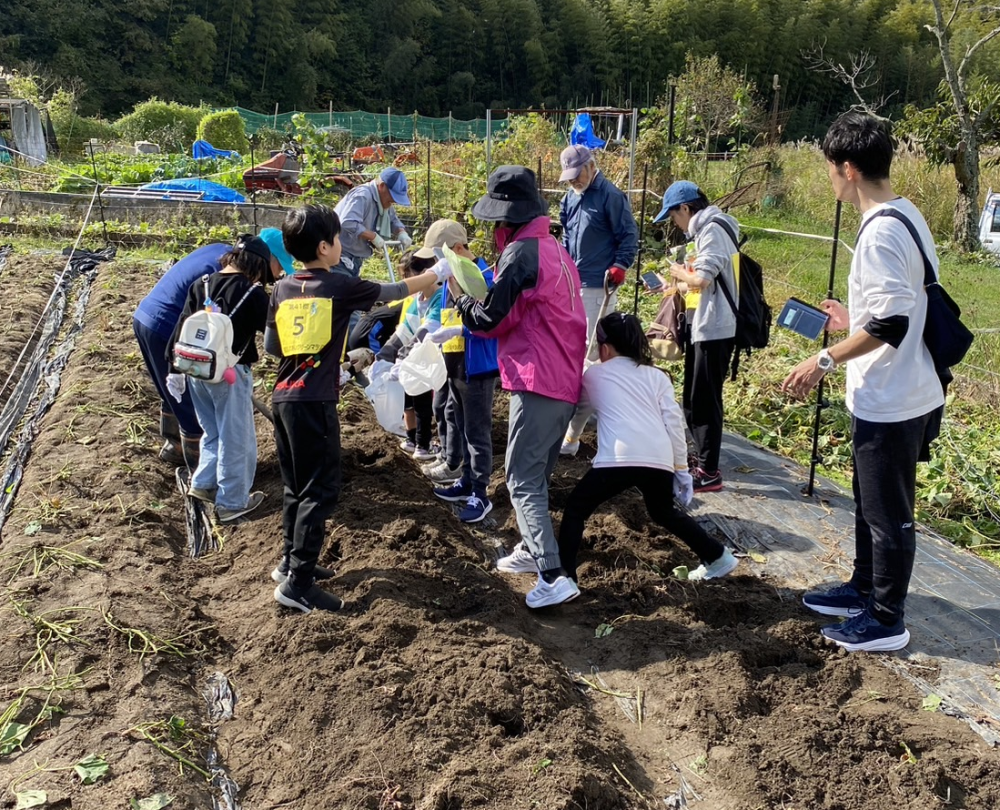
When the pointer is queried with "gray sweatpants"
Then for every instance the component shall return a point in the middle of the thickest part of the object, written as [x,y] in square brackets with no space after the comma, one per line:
[537,425]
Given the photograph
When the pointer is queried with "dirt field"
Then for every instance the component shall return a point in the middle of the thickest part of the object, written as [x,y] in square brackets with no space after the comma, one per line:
[435,689]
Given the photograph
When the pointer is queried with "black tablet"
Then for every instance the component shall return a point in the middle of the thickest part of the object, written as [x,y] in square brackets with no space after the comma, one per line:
[802,318]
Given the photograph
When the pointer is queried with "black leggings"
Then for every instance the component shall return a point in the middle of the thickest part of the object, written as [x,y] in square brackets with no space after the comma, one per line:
[657,488]
[423,405]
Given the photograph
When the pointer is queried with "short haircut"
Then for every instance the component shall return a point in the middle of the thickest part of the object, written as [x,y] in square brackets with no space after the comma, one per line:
[863,140]
[255,268]
[698,205]
[304,228]
[412,265]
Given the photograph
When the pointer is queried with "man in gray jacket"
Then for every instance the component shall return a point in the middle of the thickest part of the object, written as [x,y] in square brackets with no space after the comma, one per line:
[368,217]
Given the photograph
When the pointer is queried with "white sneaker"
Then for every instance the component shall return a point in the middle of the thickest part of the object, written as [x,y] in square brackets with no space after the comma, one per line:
[519,561]
[543,594]
[441,473]
[722,566]
[569,448]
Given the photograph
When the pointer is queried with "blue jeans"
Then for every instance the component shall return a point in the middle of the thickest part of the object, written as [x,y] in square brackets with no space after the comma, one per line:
[229,442]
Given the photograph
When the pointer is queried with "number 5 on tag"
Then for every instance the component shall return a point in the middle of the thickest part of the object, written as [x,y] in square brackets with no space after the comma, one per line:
[305,325]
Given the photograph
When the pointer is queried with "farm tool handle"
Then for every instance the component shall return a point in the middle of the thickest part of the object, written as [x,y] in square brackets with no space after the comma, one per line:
[609,290]
[388,261]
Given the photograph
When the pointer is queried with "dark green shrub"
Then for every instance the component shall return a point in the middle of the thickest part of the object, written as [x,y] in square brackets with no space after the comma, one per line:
[224,130]
[173,126]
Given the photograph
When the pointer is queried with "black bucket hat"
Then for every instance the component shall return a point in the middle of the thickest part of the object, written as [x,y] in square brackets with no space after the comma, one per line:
[511,196]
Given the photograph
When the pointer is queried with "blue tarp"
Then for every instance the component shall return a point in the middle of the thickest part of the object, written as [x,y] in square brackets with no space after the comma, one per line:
[203,149]
[211,192]
[582,133]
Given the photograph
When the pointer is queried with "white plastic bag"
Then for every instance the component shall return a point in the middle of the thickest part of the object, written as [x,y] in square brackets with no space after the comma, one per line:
[423,369]
[386,396]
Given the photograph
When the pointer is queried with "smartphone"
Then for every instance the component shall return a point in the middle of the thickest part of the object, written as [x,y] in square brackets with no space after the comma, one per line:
[652,281]
[802,318]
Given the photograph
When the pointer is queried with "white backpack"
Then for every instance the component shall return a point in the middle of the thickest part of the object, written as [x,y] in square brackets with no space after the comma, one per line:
[204,348]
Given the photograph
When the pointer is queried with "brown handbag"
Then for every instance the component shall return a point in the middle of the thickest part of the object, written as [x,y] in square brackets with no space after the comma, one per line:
[667,333]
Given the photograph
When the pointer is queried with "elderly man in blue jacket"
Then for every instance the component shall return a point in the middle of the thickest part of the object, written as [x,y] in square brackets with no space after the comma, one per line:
[368,218]
[600,234]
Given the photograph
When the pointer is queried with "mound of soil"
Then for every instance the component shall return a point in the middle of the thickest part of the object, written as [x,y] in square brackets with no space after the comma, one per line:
[435,688]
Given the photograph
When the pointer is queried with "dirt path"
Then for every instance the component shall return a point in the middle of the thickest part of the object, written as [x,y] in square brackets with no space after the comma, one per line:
[435,689]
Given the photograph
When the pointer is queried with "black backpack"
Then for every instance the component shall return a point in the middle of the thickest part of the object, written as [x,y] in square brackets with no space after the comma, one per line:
[753,315]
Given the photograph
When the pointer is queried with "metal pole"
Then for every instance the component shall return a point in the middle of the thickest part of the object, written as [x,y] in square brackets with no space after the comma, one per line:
[275,124]
[670,114]
[253,181]
[642,233]
[820,404]
[100,202]
[331,113]
[539,177]
[429,220]
[449,126]
[489,140]
[388,124]
[633,135]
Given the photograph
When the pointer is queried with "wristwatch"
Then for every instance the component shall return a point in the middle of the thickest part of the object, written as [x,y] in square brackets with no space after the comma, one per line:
[825,361]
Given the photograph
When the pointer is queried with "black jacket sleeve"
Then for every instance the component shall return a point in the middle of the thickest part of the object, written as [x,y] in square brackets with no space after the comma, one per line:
[516,272]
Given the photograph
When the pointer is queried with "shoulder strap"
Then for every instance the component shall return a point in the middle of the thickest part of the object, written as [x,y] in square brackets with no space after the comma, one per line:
[244,298]
[729,231]
[929,277]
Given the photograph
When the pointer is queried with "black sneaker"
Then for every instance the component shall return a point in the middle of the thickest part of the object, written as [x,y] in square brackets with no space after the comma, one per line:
[840,600]
[865,633]
[280,574]
[706,481]
[232,515]
[313,598]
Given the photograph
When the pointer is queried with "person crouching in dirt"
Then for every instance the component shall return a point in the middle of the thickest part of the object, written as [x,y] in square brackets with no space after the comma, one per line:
[228,451]
[154,322]
[640,443]
[535,312]
[307,323]
[420,314]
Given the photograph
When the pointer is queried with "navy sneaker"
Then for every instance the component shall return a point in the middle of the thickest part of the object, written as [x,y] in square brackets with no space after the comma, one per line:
[456,493]
[840,600]
[476,508]
[865,633]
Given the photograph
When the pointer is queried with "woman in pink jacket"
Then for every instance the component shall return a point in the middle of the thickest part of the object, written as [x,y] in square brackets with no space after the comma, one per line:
[535,312]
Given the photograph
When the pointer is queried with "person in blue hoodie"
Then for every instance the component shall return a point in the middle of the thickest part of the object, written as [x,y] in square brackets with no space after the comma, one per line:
[154,322]
[600,233]
[463,475]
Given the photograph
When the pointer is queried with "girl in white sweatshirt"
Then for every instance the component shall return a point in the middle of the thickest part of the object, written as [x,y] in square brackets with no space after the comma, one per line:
[640,443]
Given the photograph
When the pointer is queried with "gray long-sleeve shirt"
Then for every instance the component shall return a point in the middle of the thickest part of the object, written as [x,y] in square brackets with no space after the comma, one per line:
[358,212]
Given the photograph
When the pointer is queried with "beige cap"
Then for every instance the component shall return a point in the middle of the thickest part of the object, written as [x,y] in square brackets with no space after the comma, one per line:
[442,232]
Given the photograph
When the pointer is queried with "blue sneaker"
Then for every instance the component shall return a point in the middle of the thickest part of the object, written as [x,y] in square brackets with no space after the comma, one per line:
[456,493]
[476,509]
[866,633]
[840,600]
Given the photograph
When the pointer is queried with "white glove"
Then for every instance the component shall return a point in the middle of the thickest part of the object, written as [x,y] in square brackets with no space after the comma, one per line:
[177,385]
[345,377]
[360,359]
[444,335]
[378,242]
[380,367]
[405,240]
[394,372]
[442,270]
[683,487]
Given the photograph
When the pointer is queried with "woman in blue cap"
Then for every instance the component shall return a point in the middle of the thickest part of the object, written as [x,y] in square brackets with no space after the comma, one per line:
[711,319]
[154,322]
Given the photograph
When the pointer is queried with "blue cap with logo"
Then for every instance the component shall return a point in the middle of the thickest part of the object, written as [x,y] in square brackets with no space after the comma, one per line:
[395,181]
[683,191]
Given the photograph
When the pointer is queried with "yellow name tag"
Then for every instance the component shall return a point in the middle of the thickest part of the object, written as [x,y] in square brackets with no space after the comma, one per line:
[450,317]
[305,325]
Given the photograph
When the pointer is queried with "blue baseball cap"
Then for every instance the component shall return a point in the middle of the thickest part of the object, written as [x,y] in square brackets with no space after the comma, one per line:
[395,181]
[276,244]
[683,191]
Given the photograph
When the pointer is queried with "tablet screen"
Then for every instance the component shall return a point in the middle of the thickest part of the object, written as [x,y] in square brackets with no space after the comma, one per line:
[802,318]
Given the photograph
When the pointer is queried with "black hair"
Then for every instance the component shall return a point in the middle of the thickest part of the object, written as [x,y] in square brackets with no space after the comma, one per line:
[863,140]
[412,265]
[625,334]
[251,264]
[697,205]
[304,228]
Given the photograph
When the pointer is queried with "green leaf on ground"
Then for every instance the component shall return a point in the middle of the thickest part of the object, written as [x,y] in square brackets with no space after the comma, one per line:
[681,572]
[12,736]
[90,769]
[155,802]
[33,528]
[30,798]
[603,630]
[931,703]
[757,557]
[542,765]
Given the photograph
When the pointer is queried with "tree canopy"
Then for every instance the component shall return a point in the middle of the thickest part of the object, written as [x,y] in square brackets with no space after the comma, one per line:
[460,56]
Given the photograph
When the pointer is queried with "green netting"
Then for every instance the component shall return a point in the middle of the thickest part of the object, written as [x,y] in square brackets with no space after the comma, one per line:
[397,127]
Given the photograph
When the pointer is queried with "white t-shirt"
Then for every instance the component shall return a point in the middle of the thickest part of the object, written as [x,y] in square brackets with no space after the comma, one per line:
[887,278]
[639,423]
